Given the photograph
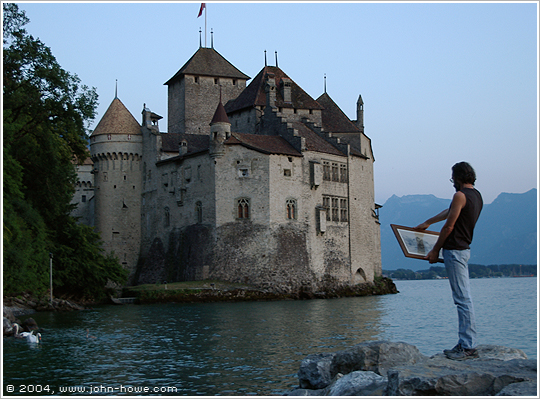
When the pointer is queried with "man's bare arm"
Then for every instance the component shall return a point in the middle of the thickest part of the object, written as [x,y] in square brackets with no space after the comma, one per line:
[437,218]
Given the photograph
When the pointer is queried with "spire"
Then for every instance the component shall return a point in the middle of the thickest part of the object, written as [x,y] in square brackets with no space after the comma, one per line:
[212,38]
[276,60]
[116,90]
[325,83]
[265,64]
[220,115]
[200,37]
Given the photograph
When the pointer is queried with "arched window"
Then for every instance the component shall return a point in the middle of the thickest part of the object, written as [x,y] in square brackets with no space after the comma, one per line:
[198,211]
[243,208]
[291,209]
[167,217]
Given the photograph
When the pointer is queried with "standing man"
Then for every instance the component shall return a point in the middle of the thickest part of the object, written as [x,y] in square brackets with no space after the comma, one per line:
[455,238]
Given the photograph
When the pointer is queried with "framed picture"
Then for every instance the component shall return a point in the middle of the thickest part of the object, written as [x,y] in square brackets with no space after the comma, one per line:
[416,243]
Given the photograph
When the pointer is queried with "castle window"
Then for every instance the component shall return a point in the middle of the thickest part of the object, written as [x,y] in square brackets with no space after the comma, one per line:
[187,174]
[243,172]
[83,198]
[335,210]
[243,208]
[326,206]
[343,210]
[291,209]
[105,176]
[326,171]
[198,211]
[234,82]
[343,173]
[335,172]
[287,172]
[167,217]
[196,79]
[216,81]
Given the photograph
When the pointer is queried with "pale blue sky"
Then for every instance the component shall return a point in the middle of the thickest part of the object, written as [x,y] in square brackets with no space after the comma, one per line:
[441,82]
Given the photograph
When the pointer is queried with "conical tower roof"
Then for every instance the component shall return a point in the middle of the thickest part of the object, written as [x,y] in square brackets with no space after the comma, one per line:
[220,115]
[117,120]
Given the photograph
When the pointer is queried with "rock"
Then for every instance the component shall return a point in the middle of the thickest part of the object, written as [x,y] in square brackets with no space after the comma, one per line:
[441,376]
[304,392]
[527,388]
[314,371]
[358,383]
[29,325]
[317,371]
[376,356]
[398,369]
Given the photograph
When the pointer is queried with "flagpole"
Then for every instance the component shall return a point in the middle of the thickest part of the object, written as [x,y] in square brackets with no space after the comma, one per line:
[205,25]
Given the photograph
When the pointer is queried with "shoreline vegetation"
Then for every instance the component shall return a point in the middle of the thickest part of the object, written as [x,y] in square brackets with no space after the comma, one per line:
[475,271]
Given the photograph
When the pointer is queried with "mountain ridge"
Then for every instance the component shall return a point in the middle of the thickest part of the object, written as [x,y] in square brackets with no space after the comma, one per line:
[506,232]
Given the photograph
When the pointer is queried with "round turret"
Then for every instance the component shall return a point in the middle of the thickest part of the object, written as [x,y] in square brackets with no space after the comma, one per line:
[116,149]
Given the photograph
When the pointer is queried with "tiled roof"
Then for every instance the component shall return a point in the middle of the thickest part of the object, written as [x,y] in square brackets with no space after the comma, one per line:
[117,120]
[170,142]
[254,94]
[314,142]
[263,143]
[208,62]
[333,118]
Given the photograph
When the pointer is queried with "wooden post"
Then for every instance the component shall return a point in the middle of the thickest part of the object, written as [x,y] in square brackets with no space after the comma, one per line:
[50,274]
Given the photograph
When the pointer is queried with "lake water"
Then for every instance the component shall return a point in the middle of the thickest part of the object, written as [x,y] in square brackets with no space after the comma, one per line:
[251,348]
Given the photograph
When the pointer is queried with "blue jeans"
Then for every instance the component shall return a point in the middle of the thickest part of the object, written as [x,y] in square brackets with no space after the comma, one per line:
[457,270]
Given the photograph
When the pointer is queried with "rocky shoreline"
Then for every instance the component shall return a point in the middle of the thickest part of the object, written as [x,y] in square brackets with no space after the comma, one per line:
[383,368]
[382,286]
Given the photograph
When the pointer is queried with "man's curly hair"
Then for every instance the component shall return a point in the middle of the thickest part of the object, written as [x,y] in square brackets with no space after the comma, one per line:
[464,172]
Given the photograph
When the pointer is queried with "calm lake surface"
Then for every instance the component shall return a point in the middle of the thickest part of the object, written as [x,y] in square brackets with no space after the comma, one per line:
[252,348]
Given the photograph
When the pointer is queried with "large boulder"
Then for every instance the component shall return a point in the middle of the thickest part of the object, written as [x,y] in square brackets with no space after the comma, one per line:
[358,383]
[317,371]
[399,369]
[482,376]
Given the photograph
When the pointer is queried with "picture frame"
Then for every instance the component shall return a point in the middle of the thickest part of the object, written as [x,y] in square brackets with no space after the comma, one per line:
[416,243]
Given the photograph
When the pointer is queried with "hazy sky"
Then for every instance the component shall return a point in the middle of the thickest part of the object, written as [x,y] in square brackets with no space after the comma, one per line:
[441,82]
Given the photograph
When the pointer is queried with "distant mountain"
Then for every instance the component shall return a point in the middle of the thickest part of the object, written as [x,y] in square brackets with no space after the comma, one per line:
[506,232]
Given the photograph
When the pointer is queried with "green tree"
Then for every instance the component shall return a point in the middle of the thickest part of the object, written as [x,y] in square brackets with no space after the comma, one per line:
[45,120]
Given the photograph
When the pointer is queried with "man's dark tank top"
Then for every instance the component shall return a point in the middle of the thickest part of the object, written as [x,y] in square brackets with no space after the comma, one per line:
[462,235]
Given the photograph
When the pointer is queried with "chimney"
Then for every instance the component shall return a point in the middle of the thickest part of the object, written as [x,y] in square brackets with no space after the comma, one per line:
[360,114]
[183,147]
[286,89]
[270,89]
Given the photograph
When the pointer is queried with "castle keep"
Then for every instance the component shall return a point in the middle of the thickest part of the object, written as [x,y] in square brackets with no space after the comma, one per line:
[258,184]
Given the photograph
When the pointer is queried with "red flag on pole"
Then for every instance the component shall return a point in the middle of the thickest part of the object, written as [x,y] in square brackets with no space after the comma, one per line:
[203,6]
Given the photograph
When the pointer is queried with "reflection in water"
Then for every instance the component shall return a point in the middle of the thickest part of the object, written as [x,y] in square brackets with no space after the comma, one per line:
[255,348]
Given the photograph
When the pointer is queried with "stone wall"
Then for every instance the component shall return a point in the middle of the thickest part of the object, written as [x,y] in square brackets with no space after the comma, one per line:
[193,101]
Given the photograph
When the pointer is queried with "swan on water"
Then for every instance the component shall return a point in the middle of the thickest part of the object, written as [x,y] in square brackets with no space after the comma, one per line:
[32,337]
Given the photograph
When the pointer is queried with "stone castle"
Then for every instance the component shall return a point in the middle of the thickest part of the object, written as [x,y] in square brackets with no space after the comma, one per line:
[258,184]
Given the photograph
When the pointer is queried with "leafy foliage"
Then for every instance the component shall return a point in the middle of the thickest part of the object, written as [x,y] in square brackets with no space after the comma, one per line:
[46,112]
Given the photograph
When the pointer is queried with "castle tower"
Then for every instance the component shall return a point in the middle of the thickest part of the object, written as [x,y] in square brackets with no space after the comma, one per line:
[195,89]
[116,149]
